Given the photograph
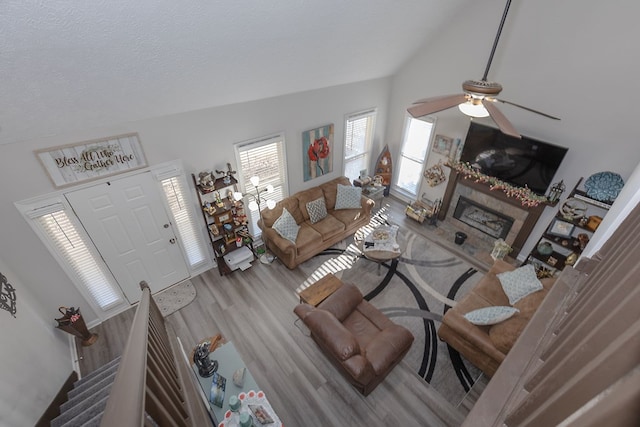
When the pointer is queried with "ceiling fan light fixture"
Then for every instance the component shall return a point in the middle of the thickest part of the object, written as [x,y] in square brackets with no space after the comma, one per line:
[473,109]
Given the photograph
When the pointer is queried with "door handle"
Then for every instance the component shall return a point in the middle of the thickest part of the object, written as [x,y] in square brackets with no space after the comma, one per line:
[166,226]
[172,241]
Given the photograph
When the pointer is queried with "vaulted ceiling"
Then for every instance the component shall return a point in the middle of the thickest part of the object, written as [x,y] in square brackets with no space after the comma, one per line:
[67,65]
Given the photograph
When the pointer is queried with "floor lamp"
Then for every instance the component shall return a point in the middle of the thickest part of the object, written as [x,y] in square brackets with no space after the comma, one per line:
[256,203]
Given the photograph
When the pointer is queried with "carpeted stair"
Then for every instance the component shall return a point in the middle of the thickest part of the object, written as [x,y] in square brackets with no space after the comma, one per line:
[88,398]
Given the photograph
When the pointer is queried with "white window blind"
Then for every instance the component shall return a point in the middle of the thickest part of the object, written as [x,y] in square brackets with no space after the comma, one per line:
[175,190]
[80,257]
[265,159]
[415,143]
[359,130]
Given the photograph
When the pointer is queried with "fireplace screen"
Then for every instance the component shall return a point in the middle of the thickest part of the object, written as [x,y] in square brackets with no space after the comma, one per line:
[482,218]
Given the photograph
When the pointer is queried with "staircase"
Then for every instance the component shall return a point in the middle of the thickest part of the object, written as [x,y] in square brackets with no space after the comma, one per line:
[88,398]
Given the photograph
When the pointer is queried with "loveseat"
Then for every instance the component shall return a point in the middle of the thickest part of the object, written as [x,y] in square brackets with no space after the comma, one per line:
[356,337]
[486,346]
[314,237]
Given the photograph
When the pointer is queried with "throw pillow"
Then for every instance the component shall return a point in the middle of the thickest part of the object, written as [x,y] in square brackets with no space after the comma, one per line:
[286,226]
[490,315]
[348,197]
[519,283]
[317,210]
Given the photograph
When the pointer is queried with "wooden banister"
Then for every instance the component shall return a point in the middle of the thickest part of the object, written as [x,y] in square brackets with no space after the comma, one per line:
[147,386]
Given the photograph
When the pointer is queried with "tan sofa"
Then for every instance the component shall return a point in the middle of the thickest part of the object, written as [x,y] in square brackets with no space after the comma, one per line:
[487,346]
[356,337]
[313,238]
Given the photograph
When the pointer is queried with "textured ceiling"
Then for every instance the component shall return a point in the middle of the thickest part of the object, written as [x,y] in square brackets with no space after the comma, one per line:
[68,64]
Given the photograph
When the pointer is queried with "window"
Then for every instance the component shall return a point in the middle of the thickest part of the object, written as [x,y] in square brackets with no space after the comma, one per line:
[358,136]
[417,135]
[265,159]
[193,245]
[79,258]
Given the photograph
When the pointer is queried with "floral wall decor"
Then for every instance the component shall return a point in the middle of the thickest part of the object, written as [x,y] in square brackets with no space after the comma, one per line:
[7,296]
[316,152]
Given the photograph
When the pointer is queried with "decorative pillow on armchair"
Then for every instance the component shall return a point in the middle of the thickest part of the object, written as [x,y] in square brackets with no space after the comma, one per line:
[348,197]
[490,315]
[286,226]
[519,283]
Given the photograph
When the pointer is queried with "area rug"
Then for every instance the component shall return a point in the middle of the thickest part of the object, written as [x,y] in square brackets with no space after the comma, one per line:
[174,298]
[414,291]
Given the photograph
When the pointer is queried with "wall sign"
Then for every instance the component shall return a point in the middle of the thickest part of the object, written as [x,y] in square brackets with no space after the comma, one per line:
[89,160]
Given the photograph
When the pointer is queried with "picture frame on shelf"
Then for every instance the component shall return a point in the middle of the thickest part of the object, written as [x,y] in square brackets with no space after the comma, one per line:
[221,218]
[442,145]
[561,228]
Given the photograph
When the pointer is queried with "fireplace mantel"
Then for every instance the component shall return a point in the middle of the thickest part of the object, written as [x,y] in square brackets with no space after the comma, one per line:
[533,213]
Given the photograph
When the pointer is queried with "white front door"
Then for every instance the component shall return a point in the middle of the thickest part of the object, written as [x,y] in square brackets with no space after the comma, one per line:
[129,226]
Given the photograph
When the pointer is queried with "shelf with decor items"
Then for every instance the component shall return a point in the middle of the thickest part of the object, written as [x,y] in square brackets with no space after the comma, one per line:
[568,232]
[224,217]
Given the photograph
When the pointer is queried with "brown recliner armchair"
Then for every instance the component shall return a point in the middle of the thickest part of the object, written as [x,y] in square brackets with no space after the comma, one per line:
[357,338]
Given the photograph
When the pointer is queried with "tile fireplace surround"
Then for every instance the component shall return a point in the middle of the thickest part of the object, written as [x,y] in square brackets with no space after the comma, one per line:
[524,219]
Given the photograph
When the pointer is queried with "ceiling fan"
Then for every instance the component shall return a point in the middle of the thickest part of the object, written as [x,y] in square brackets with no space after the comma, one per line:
[479,97]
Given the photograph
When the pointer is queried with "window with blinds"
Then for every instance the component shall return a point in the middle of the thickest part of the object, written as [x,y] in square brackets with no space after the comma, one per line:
[358,137]
[415,143]
[80,257]
[175,189]
[265,159]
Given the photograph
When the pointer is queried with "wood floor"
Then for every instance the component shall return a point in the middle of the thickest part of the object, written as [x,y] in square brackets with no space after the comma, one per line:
[254,309]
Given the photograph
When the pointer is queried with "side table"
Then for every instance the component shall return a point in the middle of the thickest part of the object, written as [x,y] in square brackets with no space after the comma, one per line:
[320,290]
[374,193]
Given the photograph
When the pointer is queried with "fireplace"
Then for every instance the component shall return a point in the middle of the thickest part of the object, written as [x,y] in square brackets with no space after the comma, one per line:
[480,217]
[491,205]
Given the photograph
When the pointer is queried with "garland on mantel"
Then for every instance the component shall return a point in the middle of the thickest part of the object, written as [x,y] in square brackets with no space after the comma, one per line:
[527,197]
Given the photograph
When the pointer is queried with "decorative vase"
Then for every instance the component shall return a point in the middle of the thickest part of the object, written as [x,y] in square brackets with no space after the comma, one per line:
[545,248]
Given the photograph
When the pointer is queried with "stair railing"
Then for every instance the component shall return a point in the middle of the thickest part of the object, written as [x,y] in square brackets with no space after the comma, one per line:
[146,390]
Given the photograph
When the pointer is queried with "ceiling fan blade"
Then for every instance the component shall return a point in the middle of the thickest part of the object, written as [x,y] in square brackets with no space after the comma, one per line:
[501,120]
[433,105]
[527,108]
[433,98]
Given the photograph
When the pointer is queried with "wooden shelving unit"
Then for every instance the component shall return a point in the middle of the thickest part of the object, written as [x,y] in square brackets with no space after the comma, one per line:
[230,213]
[566,247]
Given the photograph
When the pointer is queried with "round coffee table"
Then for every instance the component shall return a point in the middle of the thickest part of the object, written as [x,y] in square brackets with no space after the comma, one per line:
[379,256]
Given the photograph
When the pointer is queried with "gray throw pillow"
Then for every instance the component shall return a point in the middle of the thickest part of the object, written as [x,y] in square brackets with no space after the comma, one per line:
[286,226]
[317,210]
[348,197]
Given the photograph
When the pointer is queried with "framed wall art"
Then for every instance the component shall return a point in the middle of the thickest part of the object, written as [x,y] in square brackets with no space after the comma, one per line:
[442,145]
[90,160]
[561,228]
[317,156]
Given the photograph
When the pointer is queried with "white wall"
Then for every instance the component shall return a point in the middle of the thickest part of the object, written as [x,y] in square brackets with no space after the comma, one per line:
[202,139]
[572,59]
[35,357]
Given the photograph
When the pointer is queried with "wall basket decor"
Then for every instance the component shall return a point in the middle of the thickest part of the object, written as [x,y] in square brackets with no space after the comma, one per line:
[435,175]
[7,296]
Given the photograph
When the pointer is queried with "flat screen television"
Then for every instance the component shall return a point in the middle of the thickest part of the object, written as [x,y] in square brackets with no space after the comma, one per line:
[519,162]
